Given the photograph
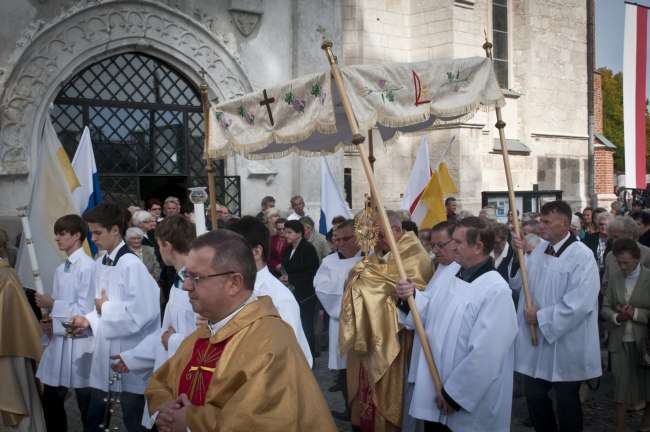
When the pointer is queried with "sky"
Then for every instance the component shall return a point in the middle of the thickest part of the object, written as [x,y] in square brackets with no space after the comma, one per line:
[610,24]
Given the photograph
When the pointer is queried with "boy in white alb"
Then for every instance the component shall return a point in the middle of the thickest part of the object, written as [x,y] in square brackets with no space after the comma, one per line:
[66,361]
[257,235]
[174,235]
[127,309]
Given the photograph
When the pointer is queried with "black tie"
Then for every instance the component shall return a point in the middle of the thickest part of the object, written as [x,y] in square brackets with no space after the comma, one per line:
[108,261]
[178,281]
[550,251]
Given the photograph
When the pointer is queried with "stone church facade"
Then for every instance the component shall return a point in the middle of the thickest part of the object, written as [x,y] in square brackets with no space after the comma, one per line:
[540,55]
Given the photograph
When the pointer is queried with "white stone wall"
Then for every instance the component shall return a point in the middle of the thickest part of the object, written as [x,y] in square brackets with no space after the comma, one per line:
[547,70]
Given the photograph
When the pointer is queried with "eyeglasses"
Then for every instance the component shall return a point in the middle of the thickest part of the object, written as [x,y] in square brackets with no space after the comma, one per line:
[441,245]
[343,239]
[196,279]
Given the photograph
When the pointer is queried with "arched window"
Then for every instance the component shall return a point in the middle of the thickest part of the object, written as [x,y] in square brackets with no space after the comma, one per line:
[146,126]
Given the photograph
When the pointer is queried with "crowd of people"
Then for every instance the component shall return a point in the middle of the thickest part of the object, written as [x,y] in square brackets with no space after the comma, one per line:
[220,331]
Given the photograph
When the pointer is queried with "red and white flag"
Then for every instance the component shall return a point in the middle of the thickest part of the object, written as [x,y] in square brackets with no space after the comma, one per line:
[634,94]
[417,182]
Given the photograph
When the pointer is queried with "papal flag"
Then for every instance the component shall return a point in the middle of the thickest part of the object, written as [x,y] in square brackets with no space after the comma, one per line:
[54,181]
[332,203]
[88,194]
[635,60]
[433,196]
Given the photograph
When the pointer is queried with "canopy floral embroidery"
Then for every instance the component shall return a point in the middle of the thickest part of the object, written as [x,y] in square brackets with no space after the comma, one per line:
[305,115]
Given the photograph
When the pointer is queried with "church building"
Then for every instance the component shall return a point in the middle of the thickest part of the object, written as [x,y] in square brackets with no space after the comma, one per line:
[130,71]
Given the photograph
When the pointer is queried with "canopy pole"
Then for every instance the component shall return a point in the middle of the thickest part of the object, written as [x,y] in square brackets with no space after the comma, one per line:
[358,139]
[500,124]
[209,165]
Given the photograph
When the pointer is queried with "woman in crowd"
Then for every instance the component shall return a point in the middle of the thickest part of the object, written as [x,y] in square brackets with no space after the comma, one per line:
[133,238]
[276,246]
[300,262]
[625,308]
[154,206]
[146,222]
[271,215]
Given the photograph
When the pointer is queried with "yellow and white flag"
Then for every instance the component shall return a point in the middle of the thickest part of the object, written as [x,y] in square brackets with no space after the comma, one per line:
[54,181]
[439,185]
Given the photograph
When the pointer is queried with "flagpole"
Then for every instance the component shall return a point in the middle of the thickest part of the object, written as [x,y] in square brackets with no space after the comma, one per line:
[444,153]
[209,165]
[357,140]
[500,124]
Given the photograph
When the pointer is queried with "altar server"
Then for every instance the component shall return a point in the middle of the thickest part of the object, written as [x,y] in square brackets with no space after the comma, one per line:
[258,236]
[127,309]
[564,285]
[329,283]
[471,325]
[66,361]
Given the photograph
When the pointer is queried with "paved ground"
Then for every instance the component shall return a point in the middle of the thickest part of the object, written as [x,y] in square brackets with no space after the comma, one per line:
[599,408]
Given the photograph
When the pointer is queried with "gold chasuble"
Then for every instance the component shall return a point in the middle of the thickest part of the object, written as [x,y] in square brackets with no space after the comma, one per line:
[20,346]
[378,347]
[251,375]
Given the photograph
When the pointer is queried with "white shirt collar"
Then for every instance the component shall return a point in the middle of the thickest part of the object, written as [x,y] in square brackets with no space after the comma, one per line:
[113,254]
[557,246]
[215,327]
[74,256]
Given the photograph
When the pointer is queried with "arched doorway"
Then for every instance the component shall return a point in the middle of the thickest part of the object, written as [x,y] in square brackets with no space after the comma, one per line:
[146,127]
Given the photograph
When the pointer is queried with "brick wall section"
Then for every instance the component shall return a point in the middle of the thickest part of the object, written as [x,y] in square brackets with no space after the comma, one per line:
[604,169]
[598,103]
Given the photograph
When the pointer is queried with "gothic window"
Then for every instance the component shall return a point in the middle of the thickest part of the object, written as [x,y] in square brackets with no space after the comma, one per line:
[500,40]
[145,120]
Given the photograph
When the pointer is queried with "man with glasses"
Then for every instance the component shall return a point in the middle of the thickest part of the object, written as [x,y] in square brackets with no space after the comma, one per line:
[442,248]
[243,370]
[329,283]
[376,371]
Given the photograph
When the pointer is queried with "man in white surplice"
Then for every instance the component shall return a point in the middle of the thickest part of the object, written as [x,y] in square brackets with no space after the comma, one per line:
[564,285]
[471,325]
[66,361]
[258,236]
[443,250]
[174,235]
[127,309]
[329,283]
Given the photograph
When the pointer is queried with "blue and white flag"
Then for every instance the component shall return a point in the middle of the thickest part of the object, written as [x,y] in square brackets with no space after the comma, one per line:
[332,203]
[89,194]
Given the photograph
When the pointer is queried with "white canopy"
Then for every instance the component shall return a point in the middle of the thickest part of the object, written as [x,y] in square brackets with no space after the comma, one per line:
[308,117]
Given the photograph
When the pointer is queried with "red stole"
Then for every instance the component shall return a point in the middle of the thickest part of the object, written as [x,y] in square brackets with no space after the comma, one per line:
[196,377]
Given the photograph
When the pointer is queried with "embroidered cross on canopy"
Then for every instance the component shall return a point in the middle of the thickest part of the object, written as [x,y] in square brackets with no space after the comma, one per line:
[308,117]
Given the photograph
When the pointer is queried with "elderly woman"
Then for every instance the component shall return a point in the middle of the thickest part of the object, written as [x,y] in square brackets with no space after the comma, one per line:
[146,222]
[625,308]
[300,263]
[133,238]
[271,215]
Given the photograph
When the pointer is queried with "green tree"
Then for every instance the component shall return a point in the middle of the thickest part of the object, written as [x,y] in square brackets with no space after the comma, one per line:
[612,86]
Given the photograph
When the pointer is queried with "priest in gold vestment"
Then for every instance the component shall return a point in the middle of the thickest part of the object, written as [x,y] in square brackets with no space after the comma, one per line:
[244,370]
[20,347]
[378,347]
